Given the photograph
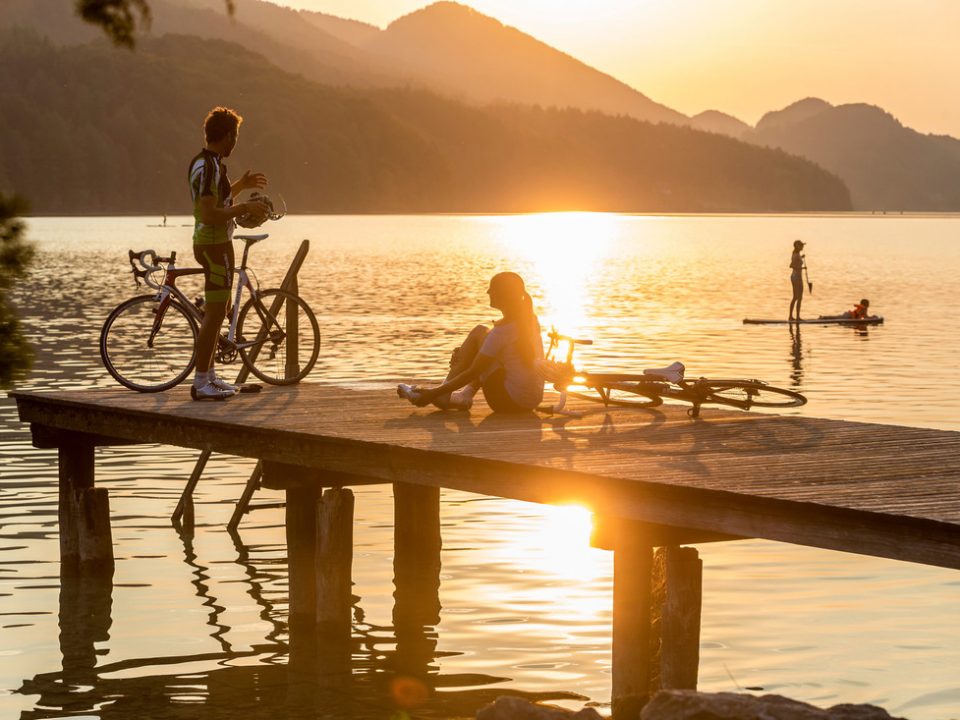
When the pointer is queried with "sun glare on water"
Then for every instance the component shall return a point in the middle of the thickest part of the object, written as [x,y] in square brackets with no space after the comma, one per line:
[561,544]
[561,255]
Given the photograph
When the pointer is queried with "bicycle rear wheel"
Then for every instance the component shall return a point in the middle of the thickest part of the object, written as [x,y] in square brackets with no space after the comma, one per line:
[287,337]
[745,394]
[145,352]
[621,390]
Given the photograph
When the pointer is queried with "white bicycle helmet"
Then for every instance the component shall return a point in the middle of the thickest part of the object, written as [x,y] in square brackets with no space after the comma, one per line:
[249,220]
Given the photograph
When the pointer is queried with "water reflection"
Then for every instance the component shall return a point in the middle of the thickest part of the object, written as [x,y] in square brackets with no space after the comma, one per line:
[796,356]
[648,291]
[371,672]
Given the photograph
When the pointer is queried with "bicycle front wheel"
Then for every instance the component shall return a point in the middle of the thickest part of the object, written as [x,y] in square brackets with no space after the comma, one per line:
[745,394]
[148,347]
[278,337]
[621,390]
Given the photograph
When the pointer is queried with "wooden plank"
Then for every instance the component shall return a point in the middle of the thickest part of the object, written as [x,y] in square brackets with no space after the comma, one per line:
[824,483]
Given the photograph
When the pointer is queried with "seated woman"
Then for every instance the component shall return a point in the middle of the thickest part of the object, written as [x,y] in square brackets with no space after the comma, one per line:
[502,361]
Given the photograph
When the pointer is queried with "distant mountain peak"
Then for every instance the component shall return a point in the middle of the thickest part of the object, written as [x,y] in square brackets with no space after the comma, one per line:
[464,53]
[719,122]
[795,112]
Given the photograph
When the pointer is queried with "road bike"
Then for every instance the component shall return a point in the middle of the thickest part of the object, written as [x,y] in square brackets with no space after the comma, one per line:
[650,388]
[149,342]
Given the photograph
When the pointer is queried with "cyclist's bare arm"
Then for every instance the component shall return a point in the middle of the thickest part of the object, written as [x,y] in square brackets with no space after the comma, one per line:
[249,181]
[210,214]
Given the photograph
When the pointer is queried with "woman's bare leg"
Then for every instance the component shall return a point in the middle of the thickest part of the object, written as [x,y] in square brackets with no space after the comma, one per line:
[461,359]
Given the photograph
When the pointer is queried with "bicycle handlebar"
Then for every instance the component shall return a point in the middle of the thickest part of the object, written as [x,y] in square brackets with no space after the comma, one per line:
[557,337]
[147,269]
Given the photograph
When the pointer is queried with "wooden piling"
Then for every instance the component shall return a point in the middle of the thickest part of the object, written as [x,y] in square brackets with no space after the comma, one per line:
[334,563]
[301,552]
[291,311]
[677,600]
[416,576]
[95,539]
[76,475]
[632,565]
[416,554]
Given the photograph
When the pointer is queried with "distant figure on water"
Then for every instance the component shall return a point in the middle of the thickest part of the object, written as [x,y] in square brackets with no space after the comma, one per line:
[796,278]
[164,220]
[501,361]
[214,213]
[861,311]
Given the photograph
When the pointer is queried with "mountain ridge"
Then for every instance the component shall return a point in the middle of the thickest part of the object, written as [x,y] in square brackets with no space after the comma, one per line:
[345,150]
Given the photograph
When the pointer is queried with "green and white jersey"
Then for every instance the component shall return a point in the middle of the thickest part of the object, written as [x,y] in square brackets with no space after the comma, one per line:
[208,176]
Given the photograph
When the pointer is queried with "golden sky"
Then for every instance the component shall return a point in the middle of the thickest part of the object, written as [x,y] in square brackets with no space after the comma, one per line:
[744,57]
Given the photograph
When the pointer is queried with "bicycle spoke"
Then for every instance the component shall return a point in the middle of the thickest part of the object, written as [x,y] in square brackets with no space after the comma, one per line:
[279,338]
[147,352]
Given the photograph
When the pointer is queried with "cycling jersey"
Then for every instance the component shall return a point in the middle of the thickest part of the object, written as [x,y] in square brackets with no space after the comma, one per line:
[208,176]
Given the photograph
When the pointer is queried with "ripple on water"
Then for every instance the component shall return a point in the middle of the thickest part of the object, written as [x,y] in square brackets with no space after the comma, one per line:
[525,603]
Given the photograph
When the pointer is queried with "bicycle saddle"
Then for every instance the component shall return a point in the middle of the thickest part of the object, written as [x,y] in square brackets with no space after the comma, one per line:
[671,373]
[252,238]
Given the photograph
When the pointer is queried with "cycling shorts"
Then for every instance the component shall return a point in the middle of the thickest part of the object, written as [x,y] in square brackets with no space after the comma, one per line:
[217,263]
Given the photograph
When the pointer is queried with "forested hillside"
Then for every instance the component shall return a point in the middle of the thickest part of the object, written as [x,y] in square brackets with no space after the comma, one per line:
[90,129]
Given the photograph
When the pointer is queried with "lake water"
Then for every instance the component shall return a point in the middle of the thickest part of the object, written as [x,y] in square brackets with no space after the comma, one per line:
[197,629]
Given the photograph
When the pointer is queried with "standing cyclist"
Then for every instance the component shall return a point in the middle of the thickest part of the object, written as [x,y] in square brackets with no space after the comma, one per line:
[214,213]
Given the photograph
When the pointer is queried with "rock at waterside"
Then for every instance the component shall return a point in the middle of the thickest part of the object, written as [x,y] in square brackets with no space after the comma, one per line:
[693,705]
[515,708]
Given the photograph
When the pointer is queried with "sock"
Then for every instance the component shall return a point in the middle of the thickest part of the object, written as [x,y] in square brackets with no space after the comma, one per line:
[464,394]
[201,378]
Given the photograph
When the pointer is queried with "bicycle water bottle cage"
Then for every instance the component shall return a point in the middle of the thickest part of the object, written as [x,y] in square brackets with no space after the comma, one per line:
[671,373]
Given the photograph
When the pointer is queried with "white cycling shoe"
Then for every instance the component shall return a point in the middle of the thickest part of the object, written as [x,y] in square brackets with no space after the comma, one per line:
[224,385]
[209,391]
[408,392]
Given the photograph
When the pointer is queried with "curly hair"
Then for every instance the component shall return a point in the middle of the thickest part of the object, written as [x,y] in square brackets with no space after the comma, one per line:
[220,122]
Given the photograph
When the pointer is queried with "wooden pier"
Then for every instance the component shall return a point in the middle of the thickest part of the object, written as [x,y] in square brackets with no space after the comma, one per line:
[654,479]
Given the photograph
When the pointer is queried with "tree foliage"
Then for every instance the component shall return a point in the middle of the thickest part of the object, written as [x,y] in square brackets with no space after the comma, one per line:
[15,257]
[118,129]
[121,19]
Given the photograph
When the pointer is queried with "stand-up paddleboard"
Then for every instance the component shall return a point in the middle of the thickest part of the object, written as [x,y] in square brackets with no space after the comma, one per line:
[872,320]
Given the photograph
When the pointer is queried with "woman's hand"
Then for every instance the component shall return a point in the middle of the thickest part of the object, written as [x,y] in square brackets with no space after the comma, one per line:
[250,180]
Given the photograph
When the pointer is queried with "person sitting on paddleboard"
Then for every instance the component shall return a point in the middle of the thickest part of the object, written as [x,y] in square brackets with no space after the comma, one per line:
[860,310]
[502,361]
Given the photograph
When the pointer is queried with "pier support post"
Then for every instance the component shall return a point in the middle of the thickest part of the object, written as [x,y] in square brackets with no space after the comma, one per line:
[86,542]
[301,551]
[303,487]
[632,565]
[334,563]
[416,576]
[677,600]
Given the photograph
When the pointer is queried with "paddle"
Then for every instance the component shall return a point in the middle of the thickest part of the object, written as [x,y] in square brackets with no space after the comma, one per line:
[807,272]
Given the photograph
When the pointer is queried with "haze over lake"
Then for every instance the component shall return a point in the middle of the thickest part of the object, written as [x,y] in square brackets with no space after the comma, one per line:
[199,629]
